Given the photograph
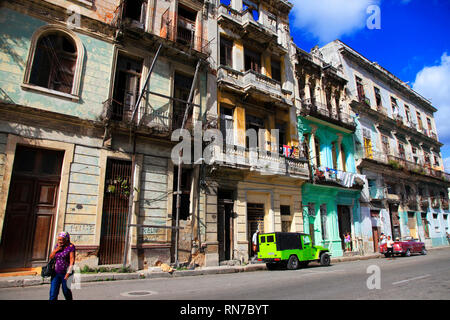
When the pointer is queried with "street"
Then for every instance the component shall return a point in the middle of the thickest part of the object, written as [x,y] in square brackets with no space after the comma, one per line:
[417,277]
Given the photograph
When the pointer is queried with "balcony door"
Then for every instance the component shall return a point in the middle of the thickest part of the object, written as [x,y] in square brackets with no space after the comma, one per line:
[126,87]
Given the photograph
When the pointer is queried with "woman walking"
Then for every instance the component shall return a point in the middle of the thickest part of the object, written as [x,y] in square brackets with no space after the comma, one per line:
[64,254]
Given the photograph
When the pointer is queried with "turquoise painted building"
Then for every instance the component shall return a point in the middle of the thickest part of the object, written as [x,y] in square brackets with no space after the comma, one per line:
[331,200]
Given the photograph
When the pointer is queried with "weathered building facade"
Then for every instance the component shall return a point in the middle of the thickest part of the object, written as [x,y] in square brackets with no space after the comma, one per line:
[258,184]
[398,150]
[326,126]
[91,95]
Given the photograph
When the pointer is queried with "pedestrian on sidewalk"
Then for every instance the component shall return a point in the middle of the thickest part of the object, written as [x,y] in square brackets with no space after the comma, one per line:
[390,246]
[255,243]
[64,254]
[348,242]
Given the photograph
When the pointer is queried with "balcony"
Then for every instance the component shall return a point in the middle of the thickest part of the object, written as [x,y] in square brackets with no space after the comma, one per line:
[321,111]
[183,34]
[399,163]
[263,162]
[264,88]
[376,193]
[323,175]
[444,203]
[156,121]
[248,27]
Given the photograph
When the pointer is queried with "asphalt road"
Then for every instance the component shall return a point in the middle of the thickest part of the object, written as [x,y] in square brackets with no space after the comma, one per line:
[416,277]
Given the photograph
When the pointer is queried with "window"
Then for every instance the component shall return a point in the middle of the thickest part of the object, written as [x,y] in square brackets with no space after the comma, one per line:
[270,239]
[395,108]
[323,221]
[282,138]
[436,161]
[185,188]
[252,60]
[317,148]
[126,87]
[182,88]
[135,10]
[427,159]
[385,144]
[378,97]
[276,70]
[285,210]
[227,125]
[368,153]
[343,158]
[419,121]
[408,114]
[55,62]
[226,50]
[255,123]
[334,154]
[401,150]
[360,89]
[391,188]
[185,24]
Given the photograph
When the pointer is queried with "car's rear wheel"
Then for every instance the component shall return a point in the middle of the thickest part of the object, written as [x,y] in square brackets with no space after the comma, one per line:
[424,251]
[325,259]
[293,263]
[272,266]
[408,253]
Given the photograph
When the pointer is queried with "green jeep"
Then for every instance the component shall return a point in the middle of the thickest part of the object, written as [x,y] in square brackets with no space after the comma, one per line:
[290,250]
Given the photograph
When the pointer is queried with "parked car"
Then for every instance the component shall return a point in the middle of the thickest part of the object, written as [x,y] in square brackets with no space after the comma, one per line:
[290,250]
[405,247]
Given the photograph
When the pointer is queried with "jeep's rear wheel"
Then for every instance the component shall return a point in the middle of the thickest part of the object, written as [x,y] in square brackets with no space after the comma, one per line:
[325,259]
[293,263]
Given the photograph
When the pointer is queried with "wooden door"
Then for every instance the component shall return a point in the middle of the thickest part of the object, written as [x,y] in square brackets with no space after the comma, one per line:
[31,207]
[17,225]
[376,238]
[224,229]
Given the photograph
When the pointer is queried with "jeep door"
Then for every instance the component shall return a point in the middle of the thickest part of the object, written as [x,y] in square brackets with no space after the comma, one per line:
[307,248]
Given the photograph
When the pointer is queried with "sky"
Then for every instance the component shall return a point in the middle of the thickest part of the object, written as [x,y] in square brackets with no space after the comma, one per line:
[412,42]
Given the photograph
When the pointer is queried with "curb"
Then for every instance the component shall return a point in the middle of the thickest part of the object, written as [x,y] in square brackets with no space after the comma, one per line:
[27,281]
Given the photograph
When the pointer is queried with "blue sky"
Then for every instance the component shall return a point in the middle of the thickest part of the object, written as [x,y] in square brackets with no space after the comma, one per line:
[413,42]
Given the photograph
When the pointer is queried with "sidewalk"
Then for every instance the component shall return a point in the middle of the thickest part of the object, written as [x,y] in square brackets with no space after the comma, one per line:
[155,273]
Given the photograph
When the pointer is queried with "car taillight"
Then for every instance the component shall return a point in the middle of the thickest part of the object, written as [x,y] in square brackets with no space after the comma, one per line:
[259,259]
[277,259]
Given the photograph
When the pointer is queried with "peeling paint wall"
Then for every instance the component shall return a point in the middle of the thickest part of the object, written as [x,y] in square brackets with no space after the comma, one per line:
[16,31]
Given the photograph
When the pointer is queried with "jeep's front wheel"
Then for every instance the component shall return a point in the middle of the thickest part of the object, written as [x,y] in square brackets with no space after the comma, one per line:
[325,259]
[293,263]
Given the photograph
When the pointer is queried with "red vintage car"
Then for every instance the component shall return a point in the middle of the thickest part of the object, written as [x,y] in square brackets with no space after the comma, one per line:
[405,247]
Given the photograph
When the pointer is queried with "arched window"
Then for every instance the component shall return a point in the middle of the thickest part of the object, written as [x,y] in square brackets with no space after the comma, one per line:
[55,62]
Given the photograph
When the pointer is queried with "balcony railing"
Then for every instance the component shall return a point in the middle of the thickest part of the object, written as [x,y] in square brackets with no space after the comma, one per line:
[183,33]
[314,108]
[399,163]
[264,162]
[252,80]
[245,20]
[158,120]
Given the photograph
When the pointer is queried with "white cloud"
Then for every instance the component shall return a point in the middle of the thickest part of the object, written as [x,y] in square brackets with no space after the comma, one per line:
[434,83]
[328,20]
